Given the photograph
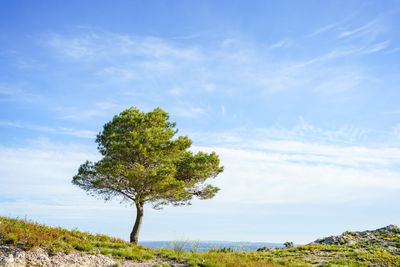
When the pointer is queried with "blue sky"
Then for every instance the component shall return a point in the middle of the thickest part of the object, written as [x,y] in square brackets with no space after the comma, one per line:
[299,98]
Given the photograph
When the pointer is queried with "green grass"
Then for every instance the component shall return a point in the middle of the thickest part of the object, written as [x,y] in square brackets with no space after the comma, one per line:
[30,235]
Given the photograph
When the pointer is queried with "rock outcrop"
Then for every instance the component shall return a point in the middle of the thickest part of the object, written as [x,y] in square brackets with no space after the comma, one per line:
[387,237]
[12,256]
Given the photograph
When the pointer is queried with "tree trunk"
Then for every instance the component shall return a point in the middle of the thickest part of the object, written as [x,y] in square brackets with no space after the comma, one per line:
[138,223]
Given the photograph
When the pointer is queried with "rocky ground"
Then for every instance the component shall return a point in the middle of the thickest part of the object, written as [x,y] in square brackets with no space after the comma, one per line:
[386,237]
[13,256]
[380,247]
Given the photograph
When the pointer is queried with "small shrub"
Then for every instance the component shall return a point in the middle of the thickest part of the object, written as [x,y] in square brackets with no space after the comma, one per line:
[288,244]
[11,239]
[178,245]
[82,246]
[195,246]
[105,251]
[225,250]
[67,250]
[103,238]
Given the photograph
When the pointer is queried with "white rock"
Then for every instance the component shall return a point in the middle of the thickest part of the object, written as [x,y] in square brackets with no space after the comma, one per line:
[9,259]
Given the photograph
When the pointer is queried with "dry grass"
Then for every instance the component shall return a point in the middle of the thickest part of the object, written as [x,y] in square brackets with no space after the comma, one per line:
[29,235]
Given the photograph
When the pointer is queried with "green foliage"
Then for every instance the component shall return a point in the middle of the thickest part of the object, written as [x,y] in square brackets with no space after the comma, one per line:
[81,245]
[195,245]
[143,162]
[23,232]
[224,249]
[288,244]
[178,245]
[31,235]
[11,239]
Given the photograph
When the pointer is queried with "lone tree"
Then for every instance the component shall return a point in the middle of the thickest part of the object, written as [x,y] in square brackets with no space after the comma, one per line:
[143,162]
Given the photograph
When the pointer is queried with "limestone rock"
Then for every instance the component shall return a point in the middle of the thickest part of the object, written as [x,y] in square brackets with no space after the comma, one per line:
[384,237]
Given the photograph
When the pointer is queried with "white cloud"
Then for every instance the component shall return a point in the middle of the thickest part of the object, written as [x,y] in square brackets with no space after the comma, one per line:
[376,47]
[369,29]
[175,91]
[209,87]
[98,109]
[299,172]
[394,50]
[324,29]
[227,42]
[316,74]
[303,165]
[368,38]
[43,171]
[396,130]
[119,74]
[124,59]
[105,45]
[48,129]
[14,93]
[259,170]
[342,81]
[187,111]
[282,43]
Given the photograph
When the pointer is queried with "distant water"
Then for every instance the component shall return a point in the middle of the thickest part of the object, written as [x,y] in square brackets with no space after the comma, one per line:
[205,246]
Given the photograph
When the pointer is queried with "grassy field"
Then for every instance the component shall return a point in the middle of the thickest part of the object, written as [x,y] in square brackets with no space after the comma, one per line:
[30,235]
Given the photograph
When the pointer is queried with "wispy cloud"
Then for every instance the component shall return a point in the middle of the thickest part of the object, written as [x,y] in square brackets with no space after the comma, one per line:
[267,168]
[125,59]
[46,165]
[394,50]
[324,29]
[370,30]
[396,130]
[375,47]
[340,82]
[186,37]
[175,91]
[97,109]
[391,112]
[282,43]
[102,45]
[14,93]
[187,111]
[209,87]
[47,129]
[272,167]
[255,176]
[118,74]
[302,132]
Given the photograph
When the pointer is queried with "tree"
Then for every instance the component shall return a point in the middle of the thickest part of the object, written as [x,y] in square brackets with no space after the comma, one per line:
[143,162]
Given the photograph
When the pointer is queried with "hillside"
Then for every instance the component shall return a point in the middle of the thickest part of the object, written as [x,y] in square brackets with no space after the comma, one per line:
[386,237]
[24,243]
[27,243]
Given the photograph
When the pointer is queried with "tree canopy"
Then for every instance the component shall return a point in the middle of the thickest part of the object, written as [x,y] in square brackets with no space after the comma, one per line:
[144,162]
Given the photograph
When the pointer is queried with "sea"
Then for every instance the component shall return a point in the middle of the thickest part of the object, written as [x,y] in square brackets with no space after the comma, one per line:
[205,246]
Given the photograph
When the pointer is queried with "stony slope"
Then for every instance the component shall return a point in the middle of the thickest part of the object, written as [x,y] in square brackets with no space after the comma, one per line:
[12,256]
[386,237]
[24,243]
[380,247]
